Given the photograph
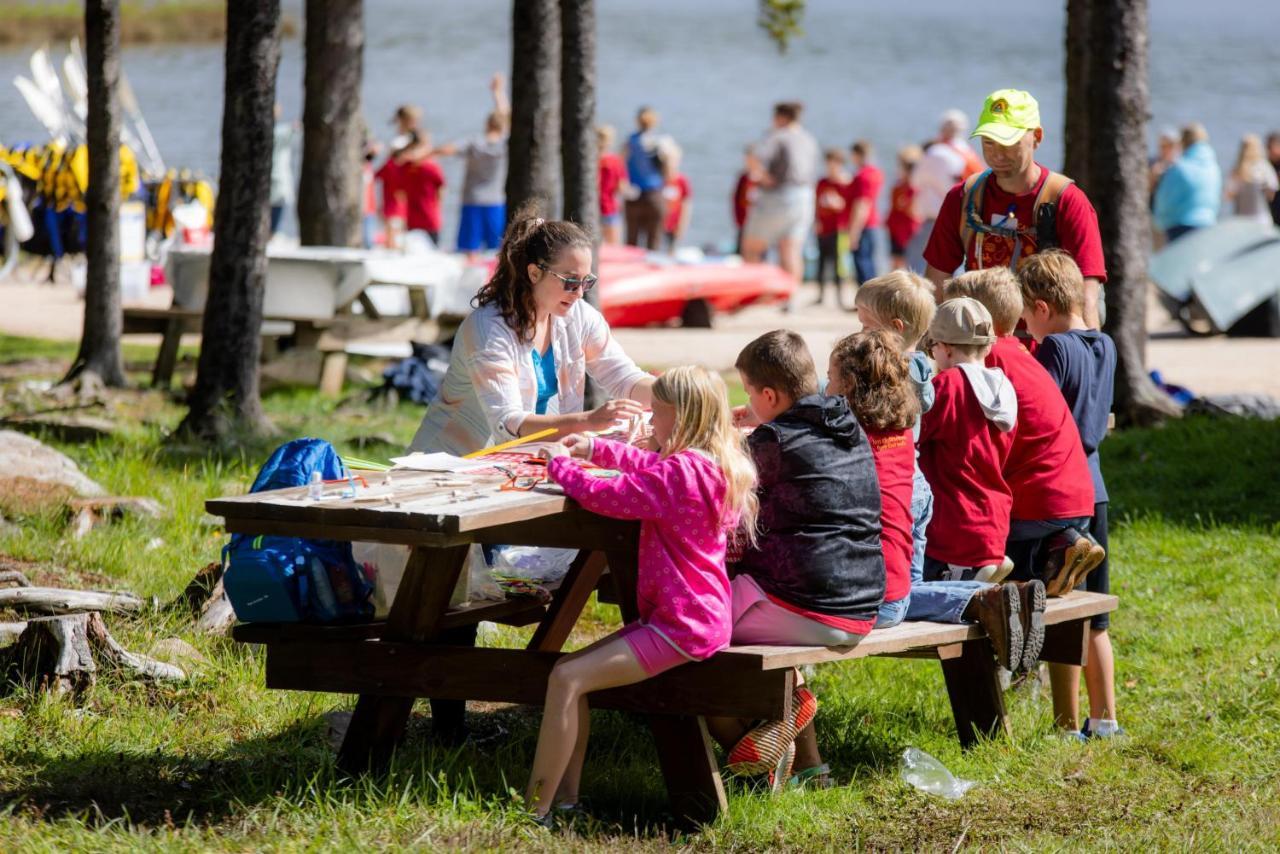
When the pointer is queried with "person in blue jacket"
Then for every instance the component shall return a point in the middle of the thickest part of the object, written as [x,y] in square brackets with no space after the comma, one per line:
[1190,192]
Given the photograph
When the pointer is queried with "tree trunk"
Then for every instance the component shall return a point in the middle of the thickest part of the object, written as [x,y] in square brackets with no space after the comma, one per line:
[103,322]
[225,398]
[333,131]
[1119,104]
[1075,137]
[532,149]
[578,115]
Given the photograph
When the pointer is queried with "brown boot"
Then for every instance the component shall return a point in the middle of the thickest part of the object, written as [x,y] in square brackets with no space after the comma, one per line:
[997,609]
[1032,600]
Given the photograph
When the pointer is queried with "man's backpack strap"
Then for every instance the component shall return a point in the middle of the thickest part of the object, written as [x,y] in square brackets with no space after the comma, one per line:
[971,204]
[1045,213]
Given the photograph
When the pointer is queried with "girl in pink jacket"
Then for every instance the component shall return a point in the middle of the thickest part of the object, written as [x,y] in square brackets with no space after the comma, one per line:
[699,485]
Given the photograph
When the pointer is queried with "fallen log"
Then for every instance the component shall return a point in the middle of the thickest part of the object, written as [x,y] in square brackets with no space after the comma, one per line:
[58,653]
[14,577]
[55,600]
[10,632]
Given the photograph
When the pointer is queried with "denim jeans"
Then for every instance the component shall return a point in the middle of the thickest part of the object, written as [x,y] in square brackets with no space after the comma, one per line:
[940,601]
[892,613]
[864,257]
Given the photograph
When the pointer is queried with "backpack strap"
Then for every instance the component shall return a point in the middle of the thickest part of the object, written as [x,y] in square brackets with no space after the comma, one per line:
[1045,212]
[971,206]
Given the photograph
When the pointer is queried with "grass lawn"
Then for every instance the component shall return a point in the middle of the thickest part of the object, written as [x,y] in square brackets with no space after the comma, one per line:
[219,762]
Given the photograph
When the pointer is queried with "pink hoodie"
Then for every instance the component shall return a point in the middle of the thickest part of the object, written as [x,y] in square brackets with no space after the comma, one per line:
[682,589]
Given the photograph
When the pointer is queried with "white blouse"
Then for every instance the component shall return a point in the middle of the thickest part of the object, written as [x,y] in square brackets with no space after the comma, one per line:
[490,386]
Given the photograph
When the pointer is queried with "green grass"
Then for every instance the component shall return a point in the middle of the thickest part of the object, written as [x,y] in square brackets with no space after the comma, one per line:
[222,763]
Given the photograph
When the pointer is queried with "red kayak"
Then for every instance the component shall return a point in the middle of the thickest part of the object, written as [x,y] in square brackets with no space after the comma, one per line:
[639,288]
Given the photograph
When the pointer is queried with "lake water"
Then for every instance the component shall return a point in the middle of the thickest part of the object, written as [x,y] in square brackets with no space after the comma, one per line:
[879,69]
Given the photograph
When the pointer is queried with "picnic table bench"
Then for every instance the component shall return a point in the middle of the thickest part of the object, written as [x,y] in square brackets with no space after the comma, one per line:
[390,663]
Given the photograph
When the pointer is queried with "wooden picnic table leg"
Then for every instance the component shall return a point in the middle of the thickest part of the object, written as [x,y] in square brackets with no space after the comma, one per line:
[421,600]
[973,684]
[685,752]
[167,357]
[1066,643]
[568,603]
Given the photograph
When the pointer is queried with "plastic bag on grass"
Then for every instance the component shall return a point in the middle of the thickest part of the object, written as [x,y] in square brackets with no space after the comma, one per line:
[929,775]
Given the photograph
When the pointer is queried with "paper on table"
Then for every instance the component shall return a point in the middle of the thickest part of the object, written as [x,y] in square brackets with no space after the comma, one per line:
[437,462]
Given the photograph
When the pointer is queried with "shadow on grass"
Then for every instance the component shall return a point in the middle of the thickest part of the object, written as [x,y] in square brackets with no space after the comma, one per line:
[1198,471]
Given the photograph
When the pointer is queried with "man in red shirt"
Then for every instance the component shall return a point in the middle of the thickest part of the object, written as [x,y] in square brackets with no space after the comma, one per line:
[831,218]
[612,177]
[1017,207]
[864,210]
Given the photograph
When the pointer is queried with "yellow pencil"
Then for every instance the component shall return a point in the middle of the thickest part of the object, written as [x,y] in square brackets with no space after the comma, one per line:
[493,449]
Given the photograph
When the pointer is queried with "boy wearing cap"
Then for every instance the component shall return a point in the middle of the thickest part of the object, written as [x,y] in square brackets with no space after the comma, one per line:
[1046,468]
[1016,207]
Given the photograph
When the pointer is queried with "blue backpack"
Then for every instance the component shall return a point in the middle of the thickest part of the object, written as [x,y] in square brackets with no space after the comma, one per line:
[290,579]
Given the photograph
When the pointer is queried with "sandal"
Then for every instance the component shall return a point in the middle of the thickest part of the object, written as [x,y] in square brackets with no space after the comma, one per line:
[780,776]
[764,746]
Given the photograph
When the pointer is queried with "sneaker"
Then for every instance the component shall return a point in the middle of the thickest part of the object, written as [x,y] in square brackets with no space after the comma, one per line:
[1032,601]
[1072,556]
[995,573]
[1073,736]
[997,609]
[1086,734]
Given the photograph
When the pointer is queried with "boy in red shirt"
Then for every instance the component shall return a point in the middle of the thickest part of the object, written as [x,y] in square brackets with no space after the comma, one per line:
[744,193]
[421,183]
[1046,468]
[902,222]
[831,222]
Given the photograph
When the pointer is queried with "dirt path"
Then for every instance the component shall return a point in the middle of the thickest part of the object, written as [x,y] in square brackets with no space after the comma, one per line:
[1205,365]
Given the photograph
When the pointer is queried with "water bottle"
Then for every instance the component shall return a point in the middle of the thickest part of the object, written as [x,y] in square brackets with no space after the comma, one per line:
[315,488]
[324,590]
[929,775]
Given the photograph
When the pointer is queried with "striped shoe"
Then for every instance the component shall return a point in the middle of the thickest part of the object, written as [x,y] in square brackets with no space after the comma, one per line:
[763,747]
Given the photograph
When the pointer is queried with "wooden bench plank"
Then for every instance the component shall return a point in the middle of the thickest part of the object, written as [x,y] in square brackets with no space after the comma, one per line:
[910,636]
[408,670]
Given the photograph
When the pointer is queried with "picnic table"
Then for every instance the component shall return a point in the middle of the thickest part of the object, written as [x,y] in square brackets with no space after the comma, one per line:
[390,663]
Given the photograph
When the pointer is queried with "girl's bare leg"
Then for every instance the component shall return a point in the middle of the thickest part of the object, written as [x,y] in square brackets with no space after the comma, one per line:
[571,783]
[1064,681]
[607,665]
[1100,676]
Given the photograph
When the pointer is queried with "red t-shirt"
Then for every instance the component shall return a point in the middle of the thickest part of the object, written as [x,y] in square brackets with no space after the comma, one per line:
[895,457]
[389,174]
[866,185]
[421,183]
[901,221]
[1076,220]
[675,193]
[1046,469]
[612,173]
[962,455]
[831,208]
[743,195]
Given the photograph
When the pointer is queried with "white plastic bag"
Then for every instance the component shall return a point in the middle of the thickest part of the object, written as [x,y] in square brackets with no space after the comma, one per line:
[929,775]
[530,563]
[385,565]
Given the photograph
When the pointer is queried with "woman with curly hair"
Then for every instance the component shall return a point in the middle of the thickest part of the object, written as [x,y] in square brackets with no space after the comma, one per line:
[520,361]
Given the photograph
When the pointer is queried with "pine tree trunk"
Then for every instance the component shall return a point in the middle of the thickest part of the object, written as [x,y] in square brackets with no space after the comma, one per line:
[533,155]
[1076,119]
[225,399]
[329,198]
[103,322]
[578,114]
[1119,104]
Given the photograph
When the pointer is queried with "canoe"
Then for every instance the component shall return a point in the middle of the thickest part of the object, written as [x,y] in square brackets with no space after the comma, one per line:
[1200,251]
[1245,286]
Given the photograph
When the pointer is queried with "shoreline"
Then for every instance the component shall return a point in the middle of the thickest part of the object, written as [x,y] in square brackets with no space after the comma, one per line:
[168,22]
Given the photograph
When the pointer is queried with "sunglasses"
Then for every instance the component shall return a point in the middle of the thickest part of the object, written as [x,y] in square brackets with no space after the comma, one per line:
[571,284]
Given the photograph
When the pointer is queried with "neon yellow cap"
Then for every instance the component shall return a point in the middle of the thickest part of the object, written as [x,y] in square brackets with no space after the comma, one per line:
[1007,115]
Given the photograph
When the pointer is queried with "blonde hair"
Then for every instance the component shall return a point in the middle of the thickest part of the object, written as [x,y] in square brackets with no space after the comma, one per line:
[998,291]
[1251,152]
[1053,277]
[902,296]
[704,422]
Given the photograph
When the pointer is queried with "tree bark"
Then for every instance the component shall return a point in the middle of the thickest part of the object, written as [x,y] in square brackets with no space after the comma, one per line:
[532,148]
[1075,123]
[1119,106]
[103,321]
[225,399]
[333,130]
[578,115]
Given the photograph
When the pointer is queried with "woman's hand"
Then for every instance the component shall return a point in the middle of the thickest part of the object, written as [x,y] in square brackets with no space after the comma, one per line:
[603,417]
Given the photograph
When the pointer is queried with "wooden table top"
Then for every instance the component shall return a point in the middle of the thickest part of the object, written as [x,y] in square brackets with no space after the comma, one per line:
[425,502]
